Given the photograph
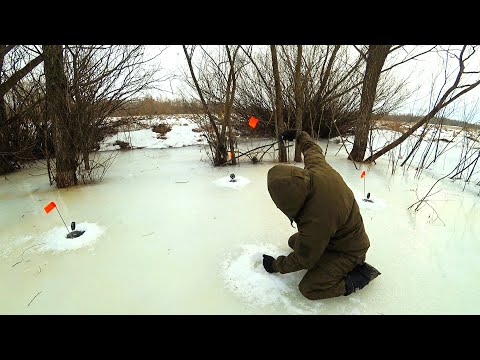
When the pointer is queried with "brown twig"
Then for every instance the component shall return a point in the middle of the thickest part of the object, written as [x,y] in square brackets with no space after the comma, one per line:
[34,298]
[443,177]
[343,143]
[438,216]
[24,253]
[268,149]
[421,200]
[240,154]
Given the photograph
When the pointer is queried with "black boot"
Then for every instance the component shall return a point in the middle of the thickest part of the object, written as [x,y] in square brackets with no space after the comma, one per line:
[359,277]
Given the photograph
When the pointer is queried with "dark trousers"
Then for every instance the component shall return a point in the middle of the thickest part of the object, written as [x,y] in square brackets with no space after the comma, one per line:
[327,278]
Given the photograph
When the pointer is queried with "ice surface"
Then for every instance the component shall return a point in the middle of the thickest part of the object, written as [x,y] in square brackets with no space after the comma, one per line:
[162,237]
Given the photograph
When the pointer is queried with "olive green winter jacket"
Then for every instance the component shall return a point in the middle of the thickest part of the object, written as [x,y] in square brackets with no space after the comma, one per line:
[322,205]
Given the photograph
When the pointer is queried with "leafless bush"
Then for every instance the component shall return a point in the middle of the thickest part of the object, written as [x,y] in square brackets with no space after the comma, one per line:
[100,79]
[213,79]
[21,107]
[97,169]
[161,128]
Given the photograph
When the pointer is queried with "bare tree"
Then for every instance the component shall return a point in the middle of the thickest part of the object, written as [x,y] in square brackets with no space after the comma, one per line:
[216,85]
[280,125]
[331,86]
[326,85]
[256,91]
[101,80]
[57,110]
[375,59]
[229,97]
[458,88]
[9,78]
[333,80]
[294,98]
[298,89]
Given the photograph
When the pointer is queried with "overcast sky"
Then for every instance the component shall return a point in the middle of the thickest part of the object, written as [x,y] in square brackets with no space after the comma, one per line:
[418,74]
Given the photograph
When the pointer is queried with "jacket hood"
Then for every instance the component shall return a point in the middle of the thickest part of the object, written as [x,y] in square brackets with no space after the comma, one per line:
[288,187]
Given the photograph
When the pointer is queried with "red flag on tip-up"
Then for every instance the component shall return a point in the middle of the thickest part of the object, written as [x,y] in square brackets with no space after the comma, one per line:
[253,121]
[50,207]
[363,174]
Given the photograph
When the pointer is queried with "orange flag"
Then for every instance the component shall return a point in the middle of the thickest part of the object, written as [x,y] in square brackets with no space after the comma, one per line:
[50,207]
[253,121]
[363,174]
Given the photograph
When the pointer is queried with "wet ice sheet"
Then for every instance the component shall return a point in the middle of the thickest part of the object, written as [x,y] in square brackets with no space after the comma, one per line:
[170,245]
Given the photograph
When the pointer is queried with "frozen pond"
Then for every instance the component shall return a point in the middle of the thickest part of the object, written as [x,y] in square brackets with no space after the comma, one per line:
[167,234]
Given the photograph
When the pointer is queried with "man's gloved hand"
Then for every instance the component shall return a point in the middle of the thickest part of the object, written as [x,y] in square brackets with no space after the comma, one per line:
[289,134]
[268,263]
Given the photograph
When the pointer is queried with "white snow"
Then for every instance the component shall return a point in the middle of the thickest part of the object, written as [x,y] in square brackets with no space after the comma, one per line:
[245,276]
[180,135]
[165,235]
[376,203]
[55,239]
[236,183]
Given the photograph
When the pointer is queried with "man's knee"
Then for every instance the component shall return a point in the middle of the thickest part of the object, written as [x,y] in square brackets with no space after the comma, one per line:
[292,240]
[307,292]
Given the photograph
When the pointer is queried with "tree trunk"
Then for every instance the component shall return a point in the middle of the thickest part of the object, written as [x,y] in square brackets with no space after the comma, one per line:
[86,160]
[282,156]
[5,165]
[375,60]
[57,111]
[228,110]
[219,147]
[298,89]
[231,86]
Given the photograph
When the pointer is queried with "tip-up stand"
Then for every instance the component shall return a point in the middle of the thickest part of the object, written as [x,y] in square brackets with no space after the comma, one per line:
[75,234]
[368,198]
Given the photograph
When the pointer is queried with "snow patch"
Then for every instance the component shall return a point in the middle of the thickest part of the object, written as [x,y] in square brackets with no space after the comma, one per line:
[226,181]
[181,134]
[376,204]
[55,239]
[245,276]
